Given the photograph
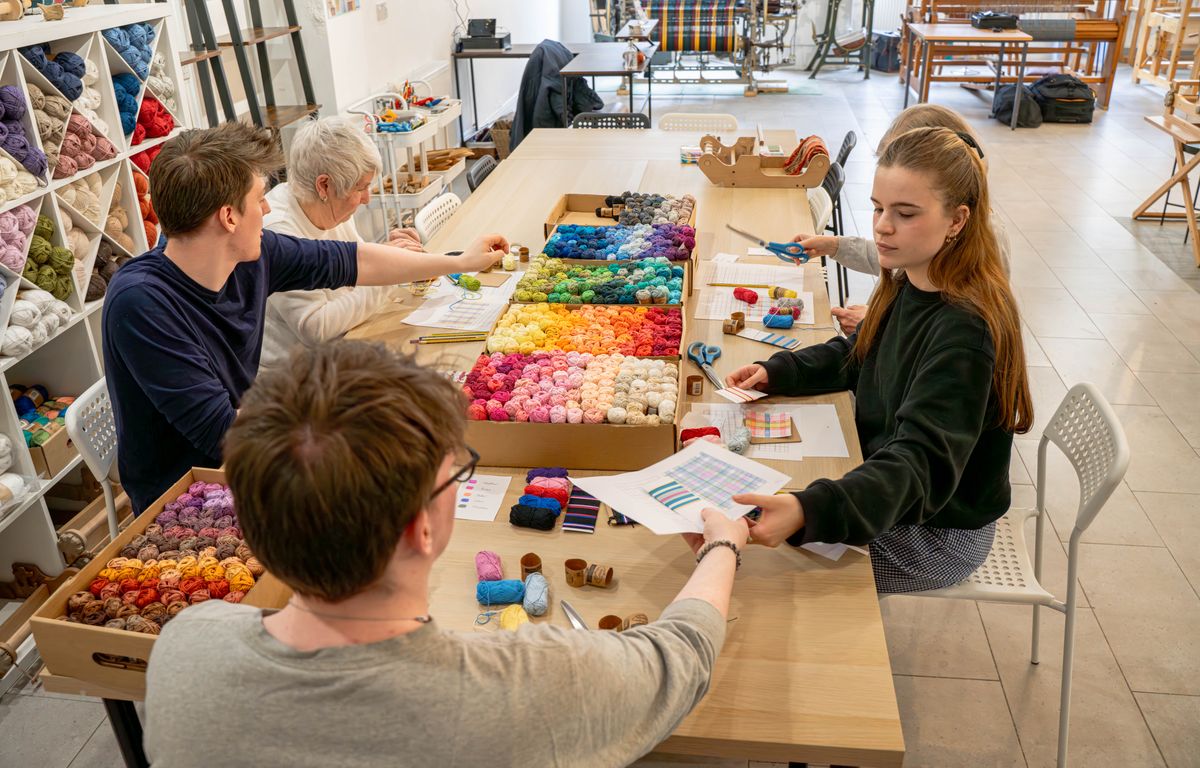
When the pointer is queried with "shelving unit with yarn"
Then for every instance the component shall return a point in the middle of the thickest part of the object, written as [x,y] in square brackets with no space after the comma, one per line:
[87,103]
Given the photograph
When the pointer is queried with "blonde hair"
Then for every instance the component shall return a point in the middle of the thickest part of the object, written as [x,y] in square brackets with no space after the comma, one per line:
[924,116]
[967,270]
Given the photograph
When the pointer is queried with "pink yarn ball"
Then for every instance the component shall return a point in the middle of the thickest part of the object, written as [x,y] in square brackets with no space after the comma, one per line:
[540,415]
[521,416]
[593,416]
[497,414]
[558,414]
[477,412]
[574,416]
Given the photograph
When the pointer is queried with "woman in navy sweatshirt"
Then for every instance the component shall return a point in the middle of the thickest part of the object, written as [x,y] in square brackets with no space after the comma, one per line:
[938,370]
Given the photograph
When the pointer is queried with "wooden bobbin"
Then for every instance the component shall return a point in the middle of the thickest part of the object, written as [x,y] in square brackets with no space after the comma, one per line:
[610,622]
[530,563]
[729,327]
[695,385]
[599,575]
[576,576]
[634,620]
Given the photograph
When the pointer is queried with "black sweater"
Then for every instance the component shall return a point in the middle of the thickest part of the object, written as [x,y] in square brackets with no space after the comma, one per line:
[926,414]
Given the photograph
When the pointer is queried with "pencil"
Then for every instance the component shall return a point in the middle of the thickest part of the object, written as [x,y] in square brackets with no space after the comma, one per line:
[738,285]
[454,340]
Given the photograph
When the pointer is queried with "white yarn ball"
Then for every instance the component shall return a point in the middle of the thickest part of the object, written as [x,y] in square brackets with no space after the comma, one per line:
[38,334]
[666,407]
[50,322]
[616,415]
[60,308]
[18,341]
[5,446]
[41,299]
[25,314]
[14,484]
[5,462]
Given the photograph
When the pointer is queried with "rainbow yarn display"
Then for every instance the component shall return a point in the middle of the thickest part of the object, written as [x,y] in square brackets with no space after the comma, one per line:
[192,552]
[41,418]
[135,44]
[13,138]
[16,226]
[621,243]
[595,329]
[651,281]
[651,208]
[571,388]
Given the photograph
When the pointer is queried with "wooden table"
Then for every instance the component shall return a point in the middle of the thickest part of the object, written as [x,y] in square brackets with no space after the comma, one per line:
[929,34]
[609,61]
[1181,133]
[804,675]
[645,31]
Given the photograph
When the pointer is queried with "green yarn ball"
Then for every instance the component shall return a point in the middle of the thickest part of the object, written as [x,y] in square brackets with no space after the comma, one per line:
[64,286]
[62,260]
[39,249]
[46,278]
[44,228]
[469,282]
[30,271]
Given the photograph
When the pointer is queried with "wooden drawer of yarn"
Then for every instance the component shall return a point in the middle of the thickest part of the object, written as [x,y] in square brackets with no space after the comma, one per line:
[675,358]
[581,209]
[689,269]
[52,456]
[96,654]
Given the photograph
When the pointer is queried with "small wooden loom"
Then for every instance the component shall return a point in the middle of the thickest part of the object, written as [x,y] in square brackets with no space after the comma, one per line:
[740,165]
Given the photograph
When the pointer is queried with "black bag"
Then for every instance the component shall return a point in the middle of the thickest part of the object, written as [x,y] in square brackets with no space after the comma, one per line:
[993,20]
[1002,106]
[1064,99]
[885,52]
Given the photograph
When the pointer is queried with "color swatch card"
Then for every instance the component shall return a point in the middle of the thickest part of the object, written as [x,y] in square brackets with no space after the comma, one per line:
[667,497]
[480,497]
[739,395]
[766,337]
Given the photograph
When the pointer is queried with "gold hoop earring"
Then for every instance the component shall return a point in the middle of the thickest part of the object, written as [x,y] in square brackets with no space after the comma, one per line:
[951,238]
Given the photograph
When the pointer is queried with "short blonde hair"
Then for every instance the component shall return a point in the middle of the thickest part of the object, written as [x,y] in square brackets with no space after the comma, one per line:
[334,146]
[924,116]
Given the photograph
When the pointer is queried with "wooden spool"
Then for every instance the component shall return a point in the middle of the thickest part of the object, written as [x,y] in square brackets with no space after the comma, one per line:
[739,165]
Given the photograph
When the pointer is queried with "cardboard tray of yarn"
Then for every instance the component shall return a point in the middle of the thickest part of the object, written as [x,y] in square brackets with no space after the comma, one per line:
[576,446]
[594,263]
[115,658]
[675,358]
[581,209]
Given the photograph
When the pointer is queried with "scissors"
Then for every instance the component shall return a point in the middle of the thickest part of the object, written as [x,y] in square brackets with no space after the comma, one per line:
[573,616]
[703,356]
[792,253]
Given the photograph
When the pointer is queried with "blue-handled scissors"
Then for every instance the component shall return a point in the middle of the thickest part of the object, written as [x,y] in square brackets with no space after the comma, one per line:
[792,253]
[703,356]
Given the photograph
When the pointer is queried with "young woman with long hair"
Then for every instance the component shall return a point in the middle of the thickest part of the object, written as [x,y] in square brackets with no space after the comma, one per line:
[938,370]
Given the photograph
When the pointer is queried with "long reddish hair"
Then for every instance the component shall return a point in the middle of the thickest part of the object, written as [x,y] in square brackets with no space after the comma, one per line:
[967,270]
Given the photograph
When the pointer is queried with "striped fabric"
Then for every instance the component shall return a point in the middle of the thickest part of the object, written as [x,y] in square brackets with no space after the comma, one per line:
[582,510]
[695,25]
[672,495]
[769,425]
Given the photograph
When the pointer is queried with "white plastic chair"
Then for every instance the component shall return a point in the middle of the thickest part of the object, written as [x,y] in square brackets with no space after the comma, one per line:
[93,430]
[698,121]
[821,206]
[1087,431]
[434,216]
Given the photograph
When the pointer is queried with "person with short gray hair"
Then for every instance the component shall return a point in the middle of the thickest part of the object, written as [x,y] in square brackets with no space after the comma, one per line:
[332,164]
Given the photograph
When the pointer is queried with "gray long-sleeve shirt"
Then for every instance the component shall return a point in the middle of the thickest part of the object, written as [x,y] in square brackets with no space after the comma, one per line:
[861,254]
[221,690]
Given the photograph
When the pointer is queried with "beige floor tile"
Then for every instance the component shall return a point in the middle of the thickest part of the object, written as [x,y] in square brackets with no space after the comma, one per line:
[936,638]
[1048,391]
[1034,356]
[1098,289]
[1175,723]
[950,722]
[1101,703]
[101,750]
[1149,613]
[1176,517]
[1101,231]
[1018,473]
[1178,310]
[1121,521]
[1154,277]
[1145,344]
[1094,361]
[1051,312]
[45,732]
[1176,395]
[1160,457]
[1030,271]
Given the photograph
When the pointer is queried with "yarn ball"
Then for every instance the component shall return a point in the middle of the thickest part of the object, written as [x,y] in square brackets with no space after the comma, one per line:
[487,566]
[25,314]
[778,321]
[621,243]
[537,594]
[537,472]
[747,295]
[538,518]
[12,102]
[500,592]
[512,617]
[561,495]
[739,441]
[18,341]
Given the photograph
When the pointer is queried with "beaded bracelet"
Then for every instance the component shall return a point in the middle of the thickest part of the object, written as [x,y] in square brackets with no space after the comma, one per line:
[710,546]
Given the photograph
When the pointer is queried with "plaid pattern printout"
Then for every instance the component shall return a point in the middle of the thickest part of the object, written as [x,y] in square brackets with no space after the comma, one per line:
[714,480]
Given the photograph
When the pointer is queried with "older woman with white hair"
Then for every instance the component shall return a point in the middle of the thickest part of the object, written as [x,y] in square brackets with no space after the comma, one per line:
[331,165]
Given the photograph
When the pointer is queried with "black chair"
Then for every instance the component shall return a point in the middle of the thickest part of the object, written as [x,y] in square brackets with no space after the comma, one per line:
[848,144]
[480,171]
[835,179]
[611,120]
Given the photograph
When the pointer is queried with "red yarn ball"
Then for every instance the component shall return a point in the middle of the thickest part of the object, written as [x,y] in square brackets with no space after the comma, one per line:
[146,596]
[218,589]
[688,434]
[97,586]
[558,494]
[190,585]
[128,585]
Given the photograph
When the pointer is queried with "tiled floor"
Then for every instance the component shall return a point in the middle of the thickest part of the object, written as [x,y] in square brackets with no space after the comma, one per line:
[1104,300]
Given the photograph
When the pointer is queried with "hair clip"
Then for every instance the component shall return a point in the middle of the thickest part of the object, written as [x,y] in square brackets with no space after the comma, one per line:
[970,140]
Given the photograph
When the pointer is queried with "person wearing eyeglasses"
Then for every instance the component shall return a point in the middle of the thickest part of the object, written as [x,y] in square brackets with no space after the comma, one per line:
[344,464]
[861,254]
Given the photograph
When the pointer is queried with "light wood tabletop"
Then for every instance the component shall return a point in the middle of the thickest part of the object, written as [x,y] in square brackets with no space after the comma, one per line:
[965,33]
[804,675]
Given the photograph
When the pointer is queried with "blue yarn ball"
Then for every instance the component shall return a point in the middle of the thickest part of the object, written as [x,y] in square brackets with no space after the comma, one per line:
[116,37]
[71,62]
[530,500]
[778,321]
[500,592]
[537,595]
[36,55]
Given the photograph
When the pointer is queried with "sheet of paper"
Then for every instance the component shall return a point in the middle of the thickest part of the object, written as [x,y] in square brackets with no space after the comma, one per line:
[817,424]
[832,552]
[481,497]
[667,497]
[739,395]
[719,304]
[760,274]
[452,310]
[756,251]
[725,258]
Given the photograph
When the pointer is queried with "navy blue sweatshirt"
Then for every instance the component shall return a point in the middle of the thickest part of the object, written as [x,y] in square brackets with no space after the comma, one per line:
[178,356]
[926,417]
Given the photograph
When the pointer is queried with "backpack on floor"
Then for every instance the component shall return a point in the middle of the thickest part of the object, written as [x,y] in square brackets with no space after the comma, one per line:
[1064,99]
[1002,106]
[885,52]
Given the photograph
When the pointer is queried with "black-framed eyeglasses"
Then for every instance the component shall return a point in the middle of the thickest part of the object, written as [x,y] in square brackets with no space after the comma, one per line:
[465,471]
